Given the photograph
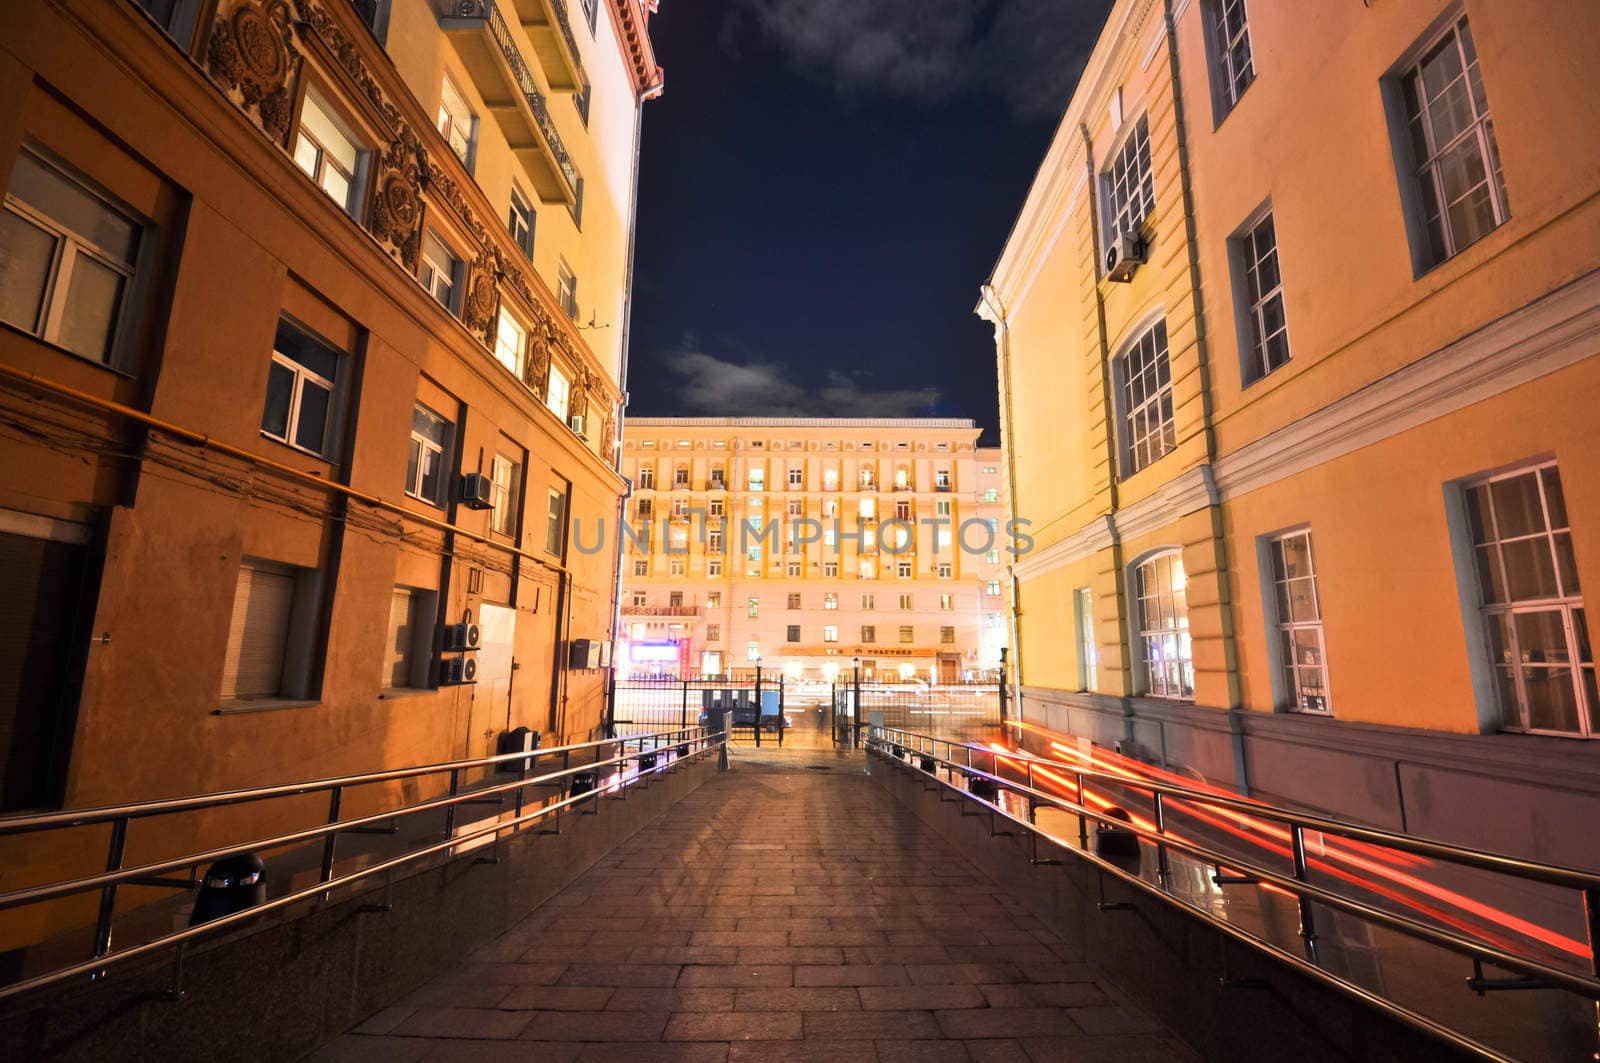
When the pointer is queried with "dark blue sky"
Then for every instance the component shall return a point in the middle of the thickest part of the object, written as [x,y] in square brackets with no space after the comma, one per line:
[824,186]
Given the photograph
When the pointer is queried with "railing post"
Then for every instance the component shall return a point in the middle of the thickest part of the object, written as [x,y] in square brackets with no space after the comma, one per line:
[1163,868]
[1002,688]
[450,811]
[780,711]
[683,720]
[108,894]
[1083,816]
[758,703]
[1297,838]
[335,797]
[855,687]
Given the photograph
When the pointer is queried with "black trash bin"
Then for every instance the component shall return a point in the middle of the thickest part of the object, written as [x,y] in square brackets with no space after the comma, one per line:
[230,885]
[1115,841]
[583,782]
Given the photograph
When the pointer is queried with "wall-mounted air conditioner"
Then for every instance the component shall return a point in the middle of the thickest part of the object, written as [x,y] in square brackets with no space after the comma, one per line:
[1124,256]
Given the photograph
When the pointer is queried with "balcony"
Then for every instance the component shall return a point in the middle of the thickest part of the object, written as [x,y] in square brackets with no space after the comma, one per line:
[489,52]
[545,22]
[660,610]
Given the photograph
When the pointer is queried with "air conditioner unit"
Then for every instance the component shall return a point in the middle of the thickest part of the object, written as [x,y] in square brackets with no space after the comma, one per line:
[458,637]
[458,671]
[584,654]
[576,423]
[1124,255]
[476,491]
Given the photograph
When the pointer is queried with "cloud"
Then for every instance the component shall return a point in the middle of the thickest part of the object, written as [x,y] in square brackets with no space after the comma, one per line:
[1028,53]
[706,384]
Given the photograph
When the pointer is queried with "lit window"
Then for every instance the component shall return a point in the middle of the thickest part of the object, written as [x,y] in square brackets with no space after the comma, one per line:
[714,600]
[794,601]
[1165,659]
[713,632]
[869,633]
[830,601]
[868,569]
[510,341]
[301,386]
[752,650]
[905,601]
[441,271]
[947,602]
[1146,378]
[558,393]
[753,608]
[830,569]
[504,474]
[991,495]
[1452,143]
[639,599]
[1263,298]
[992,588]
[758,479]
[947,636]
[908,633]
[1130,184]
[641,568]
[1299,613]
[425,467]
[328,154]
[1088,650]
[869,602]
[1232,69]
[67,259]
[1528,584]
[830,633]
[457,122]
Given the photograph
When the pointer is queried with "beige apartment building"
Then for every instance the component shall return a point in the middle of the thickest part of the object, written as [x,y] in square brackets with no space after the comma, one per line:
[1296,336]
[310,345]
[811,545]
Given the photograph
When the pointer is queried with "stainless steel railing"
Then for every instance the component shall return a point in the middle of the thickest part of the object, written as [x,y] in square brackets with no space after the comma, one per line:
[650,753]
[963,761]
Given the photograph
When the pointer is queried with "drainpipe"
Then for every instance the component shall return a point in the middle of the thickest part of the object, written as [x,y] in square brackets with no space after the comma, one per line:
[991,308]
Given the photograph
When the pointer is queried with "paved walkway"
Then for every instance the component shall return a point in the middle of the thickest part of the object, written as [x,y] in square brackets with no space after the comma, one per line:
[781,912]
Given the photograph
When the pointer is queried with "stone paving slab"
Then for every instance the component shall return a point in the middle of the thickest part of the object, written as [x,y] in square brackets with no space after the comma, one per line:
[778,913]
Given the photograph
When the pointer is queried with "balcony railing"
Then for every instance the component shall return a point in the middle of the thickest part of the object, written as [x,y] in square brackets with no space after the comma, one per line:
[511,94]
[550,32]
[661,610]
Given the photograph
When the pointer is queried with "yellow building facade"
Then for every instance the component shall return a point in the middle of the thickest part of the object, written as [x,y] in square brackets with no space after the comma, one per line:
[809,544]
[1295,336]
[311,349]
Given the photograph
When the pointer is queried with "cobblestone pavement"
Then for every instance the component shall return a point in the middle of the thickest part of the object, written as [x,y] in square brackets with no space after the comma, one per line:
[786,910]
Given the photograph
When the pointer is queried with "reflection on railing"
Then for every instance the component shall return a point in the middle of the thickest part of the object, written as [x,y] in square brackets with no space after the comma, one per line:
[490,12]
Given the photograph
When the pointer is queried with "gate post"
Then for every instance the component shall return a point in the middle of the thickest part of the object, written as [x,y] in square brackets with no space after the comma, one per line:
[855,686]
[683,722]
[1002,692]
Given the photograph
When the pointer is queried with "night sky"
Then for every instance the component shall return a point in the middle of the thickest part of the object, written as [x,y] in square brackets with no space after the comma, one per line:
[824,186]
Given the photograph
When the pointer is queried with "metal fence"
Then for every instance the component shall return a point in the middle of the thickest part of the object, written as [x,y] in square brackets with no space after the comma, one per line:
[969,711]
[755,709]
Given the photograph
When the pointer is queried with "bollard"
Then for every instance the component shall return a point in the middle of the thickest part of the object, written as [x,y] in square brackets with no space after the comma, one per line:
[230,885]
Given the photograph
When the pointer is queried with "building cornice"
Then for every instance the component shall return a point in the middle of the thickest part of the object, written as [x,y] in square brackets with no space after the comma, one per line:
[802,422]
[631,20]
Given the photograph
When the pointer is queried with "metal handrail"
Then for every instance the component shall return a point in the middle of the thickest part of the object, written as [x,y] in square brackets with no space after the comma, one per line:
[662,744]
[882,739]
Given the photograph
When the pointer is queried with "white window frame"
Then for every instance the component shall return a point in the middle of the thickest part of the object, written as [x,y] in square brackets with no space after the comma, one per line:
[442,280]
[1233,68]
[510,354]
[521,221]
[641,567]
[303,375]
[1299,686]
[1129,181]
[558,393]
[1144,397]
[830,569]
[1251,260]
[69,247]
[567,289]
[1088,648]
[713,568]
[456,121]
[504,474]
[555,532]
[322,160]
[1164,661]
[422,446]
[830,633]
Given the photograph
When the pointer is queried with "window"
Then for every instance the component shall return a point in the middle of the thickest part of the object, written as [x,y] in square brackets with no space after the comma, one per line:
[947,603]
[718,480]
[794,633]
[177,17]
[908,633]
[902,478]
[410,642]
[590,7]
[1088,651]
[302,382]
[555,527]
[830,601]
[675,567]
[713,568]
[457,122]
[797,508]
[868,508]
[645,508]
[558,393]
[794,601]
[1164,655]
[1130,185]
[647,477]
[639,599]
[1455,157]
[580,100]
[67,260]
[869,602]
[1232,70]
[868,479]
[576,210]
[714,600]
[752,650]
[830,479]
[680,476]
[753,608]
[869,633]
[758,479]
[947,636]
[992,557]
[868,568]
[520,221]
[504,477]
[1528,582]
[902,510]
[943,568]
[1299,613]
[714,542]
[510,342]
[830,569]
[329,155]
[1268,334]
[441,271]
[425,467]
[941,480]
[1146,379]
[794,570]
[675,598]
[641,567]
[797,478]
[992,588]
[830,633]
[268,652]
[941,508]
[713,632]
[567,289]
[905,601]
[990,494]
[716,507]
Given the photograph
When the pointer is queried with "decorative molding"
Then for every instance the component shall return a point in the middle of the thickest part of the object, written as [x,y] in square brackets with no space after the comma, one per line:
[252,55]
[397,208]
[1099,534]
[1554,331]
[804,422]
[1188,492]
[631,19]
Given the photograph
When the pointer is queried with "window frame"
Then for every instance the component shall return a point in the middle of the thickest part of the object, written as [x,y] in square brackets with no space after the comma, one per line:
[567,289]
[1160,399]
[447,87]
[1131,155]
[1251,303]
[505,498]
[1144,632]
[1226,91]
[356,178]
[423,446]
[429,271]
[561,406]
[557,504]
[1288,693]
[520,213]
[519,356]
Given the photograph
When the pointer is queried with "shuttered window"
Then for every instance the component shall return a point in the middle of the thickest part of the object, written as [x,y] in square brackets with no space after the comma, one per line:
[262,604]
[400,649]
